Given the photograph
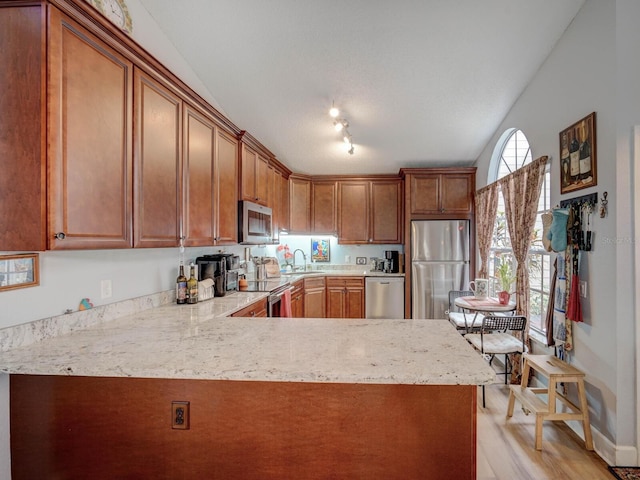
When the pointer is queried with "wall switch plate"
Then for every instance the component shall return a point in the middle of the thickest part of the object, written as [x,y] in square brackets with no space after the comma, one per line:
[583,289]
[347,259]
[180,415]
[105,288]
[361,260]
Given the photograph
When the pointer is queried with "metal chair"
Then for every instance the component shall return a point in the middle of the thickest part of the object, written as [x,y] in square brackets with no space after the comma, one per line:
[464,322]
[496,338]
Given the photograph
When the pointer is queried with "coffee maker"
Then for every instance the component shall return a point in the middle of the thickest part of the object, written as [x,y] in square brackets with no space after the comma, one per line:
[392,265]
[214,267]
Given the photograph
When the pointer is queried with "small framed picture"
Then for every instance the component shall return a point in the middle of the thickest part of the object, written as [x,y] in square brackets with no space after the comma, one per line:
[578,155]
[320,250]
[19,271]
[361,260]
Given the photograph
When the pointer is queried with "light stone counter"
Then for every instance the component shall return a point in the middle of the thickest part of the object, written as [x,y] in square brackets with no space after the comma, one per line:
[201,342]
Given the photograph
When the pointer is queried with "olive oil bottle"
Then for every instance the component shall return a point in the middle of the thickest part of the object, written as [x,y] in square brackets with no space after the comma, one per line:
[192,286]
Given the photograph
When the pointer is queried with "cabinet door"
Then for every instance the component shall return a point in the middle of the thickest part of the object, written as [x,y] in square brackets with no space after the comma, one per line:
[297,300]
[157,167]
[23,163]
[353,212]
[425,194]
[248,174]
[284,203]
[90,131]
[354,301]
[225,190]
[275,203]
[300,205]
[386,212]
[456,193]
[199,148]
[262,180]
[335,301]
[314,298]
[324,205]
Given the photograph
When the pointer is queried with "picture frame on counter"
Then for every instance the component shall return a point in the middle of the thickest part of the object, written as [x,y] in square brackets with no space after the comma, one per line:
[320,250]
[578,155]
[19,271]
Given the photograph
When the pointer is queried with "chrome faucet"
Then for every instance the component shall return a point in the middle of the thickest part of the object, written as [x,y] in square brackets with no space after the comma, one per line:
[304,258]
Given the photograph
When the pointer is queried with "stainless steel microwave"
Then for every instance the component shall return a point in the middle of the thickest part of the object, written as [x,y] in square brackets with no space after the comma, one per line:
[255,224]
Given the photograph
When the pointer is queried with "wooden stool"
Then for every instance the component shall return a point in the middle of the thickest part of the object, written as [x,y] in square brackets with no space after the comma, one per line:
[556,371]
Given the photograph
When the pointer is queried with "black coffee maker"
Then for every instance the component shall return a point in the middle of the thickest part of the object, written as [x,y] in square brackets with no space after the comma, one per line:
[392,264]
[214,267]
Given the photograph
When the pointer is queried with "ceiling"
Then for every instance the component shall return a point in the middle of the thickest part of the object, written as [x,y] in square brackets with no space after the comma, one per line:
[421,82]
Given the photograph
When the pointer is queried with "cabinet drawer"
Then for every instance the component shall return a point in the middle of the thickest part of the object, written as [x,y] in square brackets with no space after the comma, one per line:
[315,282]
[256,309]
[345,282]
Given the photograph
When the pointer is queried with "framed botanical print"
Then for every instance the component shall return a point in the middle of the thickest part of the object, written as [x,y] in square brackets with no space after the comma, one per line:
[578,152]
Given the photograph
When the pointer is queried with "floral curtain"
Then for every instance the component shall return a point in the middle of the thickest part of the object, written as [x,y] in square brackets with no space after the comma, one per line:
[486,208]
[521,192]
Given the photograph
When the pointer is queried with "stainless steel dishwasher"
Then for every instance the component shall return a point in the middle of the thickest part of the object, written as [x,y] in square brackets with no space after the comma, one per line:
[384,297]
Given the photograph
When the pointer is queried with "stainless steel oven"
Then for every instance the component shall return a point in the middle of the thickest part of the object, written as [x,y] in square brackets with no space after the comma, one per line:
[276,299]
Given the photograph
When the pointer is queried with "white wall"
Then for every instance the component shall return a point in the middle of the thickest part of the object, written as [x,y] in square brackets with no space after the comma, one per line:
[580,76]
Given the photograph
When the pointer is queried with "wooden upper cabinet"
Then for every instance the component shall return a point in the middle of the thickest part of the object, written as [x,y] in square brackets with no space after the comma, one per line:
[90,135]
[225,191]
[23,165]
[158,163]
[441,193]
[370,211]
[284,203]
[386,211]
[354,212]
[275,201]
[255,176]
[324,207]
[198,166]
[299,205]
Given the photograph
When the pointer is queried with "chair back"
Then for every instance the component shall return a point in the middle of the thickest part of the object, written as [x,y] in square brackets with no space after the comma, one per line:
[492,323]
[453,294]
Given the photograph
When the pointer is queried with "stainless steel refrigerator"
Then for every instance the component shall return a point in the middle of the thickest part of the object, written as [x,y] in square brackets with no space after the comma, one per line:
[439,263]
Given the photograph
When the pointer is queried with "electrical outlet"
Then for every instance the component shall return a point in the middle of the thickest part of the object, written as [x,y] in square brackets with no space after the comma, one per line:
[105,288]
[583,289]
[180,415]
[347,259]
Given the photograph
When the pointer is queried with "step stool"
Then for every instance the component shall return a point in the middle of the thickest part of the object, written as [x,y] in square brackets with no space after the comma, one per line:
[556,372]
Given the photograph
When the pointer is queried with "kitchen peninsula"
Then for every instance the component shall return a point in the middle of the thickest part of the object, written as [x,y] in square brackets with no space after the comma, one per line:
[268,398]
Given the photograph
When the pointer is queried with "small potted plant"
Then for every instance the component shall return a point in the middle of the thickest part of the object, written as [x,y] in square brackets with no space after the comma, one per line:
[506,279]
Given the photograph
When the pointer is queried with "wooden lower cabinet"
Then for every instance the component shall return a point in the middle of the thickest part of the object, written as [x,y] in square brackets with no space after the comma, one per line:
[314,297]
[345,297]
[102,428]
[297,299]
[257,309]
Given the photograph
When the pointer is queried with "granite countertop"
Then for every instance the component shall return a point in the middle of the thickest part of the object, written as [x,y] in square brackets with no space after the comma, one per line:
[201,342]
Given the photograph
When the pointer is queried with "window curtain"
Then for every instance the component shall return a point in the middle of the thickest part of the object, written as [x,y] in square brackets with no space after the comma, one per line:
[486,208]
[521,192]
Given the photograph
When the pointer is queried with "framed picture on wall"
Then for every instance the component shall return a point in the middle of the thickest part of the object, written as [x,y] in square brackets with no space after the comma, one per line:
[19,271]
[320,251]
[578,162]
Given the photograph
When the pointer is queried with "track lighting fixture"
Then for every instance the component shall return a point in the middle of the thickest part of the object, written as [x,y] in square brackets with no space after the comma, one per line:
[341,125]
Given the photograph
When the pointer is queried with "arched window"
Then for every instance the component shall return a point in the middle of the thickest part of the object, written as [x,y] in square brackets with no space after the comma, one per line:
[511,152]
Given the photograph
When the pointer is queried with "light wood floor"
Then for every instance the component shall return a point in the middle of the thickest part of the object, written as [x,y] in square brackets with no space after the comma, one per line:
[506,447]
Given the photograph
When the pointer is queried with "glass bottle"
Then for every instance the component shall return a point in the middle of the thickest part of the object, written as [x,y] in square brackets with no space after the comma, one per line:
[192,286]
[181,287]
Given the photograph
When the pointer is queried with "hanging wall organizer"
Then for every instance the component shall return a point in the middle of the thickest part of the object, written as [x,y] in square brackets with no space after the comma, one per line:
[580,215]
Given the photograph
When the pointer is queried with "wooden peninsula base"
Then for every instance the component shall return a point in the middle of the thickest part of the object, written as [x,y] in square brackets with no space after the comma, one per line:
[103,428]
